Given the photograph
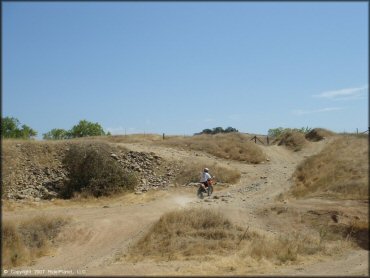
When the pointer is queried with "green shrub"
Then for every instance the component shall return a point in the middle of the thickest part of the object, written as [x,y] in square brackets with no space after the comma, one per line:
[277,132]
[92,171]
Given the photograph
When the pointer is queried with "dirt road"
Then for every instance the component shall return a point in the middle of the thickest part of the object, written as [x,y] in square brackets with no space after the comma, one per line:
[102,231]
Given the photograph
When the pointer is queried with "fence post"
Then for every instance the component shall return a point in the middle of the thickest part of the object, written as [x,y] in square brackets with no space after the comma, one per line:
[163,136]
[357,131]
[268,141]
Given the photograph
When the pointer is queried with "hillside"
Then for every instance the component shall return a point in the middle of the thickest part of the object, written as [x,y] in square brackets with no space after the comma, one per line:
[260,227]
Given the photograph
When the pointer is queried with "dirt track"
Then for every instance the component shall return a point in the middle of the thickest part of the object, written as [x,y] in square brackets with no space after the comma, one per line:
[97,239]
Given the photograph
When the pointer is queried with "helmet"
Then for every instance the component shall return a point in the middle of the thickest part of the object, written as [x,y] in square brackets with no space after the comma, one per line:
[206,170]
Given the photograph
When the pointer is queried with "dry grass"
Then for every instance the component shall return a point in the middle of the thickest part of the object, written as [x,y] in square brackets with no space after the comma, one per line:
[292,140]
[188,233]
[130,138]
[191,172]
[23,242]
[318,134]
[233,146]
[194,234]
[340,170]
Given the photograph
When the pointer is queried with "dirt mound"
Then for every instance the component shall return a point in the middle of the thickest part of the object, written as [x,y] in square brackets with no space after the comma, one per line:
[318,134]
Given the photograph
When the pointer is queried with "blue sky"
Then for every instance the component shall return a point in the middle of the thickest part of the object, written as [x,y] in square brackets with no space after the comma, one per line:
[181,67]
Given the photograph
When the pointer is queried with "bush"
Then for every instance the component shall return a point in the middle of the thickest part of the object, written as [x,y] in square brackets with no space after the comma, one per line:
[277,132]
[92,171]
[22,242]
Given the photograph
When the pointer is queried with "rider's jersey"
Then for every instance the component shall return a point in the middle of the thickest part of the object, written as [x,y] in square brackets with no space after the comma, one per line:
[205,176]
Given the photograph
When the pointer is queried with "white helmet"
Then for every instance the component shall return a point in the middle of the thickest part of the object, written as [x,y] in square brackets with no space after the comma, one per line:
[206,170]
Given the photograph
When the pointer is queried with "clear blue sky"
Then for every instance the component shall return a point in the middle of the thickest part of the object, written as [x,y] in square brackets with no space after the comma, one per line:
[181,67]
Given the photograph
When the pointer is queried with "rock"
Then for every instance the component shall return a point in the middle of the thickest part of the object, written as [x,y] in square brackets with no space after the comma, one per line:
[114,156]
[138,192]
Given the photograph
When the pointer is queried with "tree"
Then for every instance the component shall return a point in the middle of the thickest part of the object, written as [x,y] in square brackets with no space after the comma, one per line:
[230,129]
[10,129]
[26,132]
[85,128]
[206,131]
[217,130]
[56,134]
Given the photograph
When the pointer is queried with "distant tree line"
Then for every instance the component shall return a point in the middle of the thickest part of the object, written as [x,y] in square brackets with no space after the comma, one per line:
[12,128]
[217,130]
[82,129]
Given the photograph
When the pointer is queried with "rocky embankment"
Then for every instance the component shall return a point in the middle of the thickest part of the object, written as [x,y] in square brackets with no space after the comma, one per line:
[35,171]
[153,171]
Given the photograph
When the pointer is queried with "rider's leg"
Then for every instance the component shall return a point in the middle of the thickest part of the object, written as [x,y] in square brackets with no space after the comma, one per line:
[204,185]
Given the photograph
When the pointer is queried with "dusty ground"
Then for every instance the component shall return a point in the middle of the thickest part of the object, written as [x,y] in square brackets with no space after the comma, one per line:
[102,230]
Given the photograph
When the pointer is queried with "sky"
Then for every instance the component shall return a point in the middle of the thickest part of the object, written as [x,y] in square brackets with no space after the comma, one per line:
[181,67]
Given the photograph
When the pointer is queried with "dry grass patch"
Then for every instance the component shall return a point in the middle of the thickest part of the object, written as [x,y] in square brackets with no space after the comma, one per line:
[191,172]
[25,241]
[129,138]
[340,170]
[233,146]
[293,140]
[194,234]
[188,233]
[318,134]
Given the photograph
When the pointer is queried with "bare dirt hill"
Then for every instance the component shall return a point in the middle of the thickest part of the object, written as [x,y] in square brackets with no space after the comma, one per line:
[102,230]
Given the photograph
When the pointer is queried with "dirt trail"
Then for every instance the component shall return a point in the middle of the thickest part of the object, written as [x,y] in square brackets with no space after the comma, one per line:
[103,234]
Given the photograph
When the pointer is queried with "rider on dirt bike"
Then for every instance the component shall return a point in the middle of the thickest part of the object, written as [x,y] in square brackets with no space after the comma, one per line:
[205,179]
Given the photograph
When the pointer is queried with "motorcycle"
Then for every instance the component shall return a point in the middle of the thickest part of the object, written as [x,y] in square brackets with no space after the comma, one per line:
[208,189]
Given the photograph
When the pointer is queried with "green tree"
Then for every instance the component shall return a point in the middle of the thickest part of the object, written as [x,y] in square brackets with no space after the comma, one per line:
[56,134]
[26,132]
[85,128]
[207,131]
[217,130]
[10,129]
[275,132]
[230,129]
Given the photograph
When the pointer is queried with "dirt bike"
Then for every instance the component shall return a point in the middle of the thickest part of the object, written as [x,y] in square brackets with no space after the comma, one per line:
[208,190]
